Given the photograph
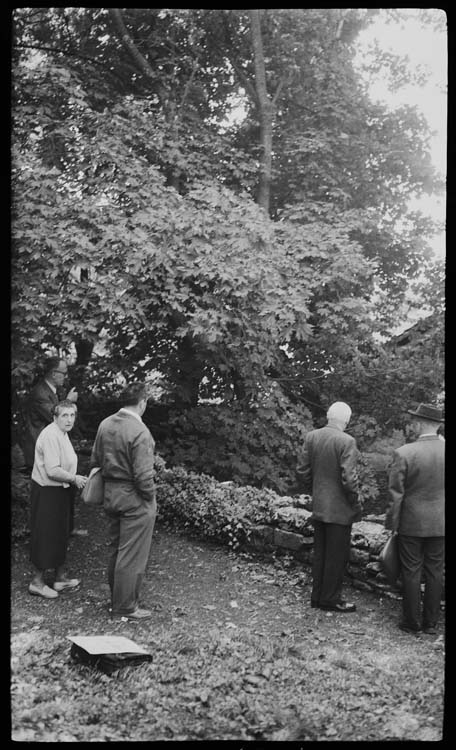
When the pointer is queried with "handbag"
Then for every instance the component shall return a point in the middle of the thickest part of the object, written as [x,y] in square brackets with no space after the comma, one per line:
[389,559]
[93,491]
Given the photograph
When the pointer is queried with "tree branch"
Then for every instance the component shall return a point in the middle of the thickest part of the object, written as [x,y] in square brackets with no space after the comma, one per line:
[266,111]
[55,51]
[187,85]
[245,81]
[278,91]
[258,58]
[341,22]
[129,44]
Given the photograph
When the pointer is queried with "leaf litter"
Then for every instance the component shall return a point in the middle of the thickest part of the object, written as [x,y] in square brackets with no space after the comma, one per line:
[299,676]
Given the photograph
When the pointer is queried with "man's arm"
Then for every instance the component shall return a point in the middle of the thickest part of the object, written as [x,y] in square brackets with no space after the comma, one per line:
[143,464]
[349,474]
[95,457]
[396,487]
[304,468]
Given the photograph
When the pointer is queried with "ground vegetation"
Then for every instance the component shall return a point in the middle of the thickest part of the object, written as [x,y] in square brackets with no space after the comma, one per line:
[237,654]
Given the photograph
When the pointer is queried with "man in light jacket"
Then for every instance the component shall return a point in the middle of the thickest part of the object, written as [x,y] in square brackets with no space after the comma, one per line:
[124,449]
[417,513]
[328,468]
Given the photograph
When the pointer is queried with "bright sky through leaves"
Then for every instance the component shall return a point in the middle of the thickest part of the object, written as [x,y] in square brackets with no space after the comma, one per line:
[426,47]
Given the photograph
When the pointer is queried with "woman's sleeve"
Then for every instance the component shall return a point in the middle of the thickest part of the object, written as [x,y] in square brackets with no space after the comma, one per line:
[52,460]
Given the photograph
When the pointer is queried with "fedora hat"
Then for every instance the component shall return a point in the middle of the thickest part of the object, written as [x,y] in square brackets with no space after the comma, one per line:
[426,411]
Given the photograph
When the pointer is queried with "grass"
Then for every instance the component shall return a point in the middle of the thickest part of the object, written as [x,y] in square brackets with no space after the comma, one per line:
[218,685]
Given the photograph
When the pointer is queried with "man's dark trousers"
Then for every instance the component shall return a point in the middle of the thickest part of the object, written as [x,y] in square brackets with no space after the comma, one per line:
[330,556]
[421,555]
[130,537]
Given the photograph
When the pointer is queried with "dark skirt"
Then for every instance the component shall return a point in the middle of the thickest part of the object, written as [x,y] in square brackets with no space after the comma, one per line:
[49,525]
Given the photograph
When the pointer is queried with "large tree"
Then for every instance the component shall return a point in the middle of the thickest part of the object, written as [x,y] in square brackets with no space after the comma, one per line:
[136,211]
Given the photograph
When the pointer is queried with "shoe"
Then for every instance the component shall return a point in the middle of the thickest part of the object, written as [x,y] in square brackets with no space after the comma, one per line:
[45,591]
[70,583]
[137,614]
[79,532]
[409,628]
[430,629]
[339,607]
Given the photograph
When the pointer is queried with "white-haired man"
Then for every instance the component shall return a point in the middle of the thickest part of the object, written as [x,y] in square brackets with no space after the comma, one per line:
[328,468]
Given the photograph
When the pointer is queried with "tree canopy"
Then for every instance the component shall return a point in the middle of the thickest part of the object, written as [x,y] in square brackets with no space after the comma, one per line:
[153,229]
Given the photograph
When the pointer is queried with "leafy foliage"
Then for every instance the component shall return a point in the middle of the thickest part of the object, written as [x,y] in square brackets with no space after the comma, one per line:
[198,502]
[238,287]
[257,446]
[138,245]
[401,374]
[20,505]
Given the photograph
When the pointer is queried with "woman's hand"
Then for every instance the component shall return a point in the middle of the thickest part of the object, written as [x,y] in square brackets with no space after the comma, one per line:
[80,481]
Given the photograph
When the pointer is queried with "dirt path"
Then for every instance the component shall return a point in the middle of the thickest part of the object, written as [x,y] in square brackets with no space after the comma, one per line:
[237,654]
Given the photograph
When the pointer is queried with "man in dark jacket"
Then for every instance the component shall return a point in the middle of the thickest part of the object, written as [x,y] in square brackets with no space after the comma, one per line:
[39,412]
[124,449]
[39,404]
[417,513]
[328,468]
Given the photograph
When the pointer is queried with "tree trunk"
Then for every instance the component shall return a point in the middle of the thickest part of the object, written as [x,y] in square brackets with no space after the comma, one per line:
[139,60]
[172,108]
[238,385]
[266,110]
[189,375]
[84,349]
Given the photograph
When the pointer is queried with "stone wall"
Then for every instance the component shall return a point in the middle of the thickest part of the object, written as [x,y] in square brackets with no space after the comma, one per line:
[292,533]
[289,531]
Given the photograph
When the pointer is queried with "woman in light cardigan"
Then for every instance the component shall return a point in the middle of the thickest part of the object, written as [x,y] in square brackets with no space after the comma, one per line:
[53,474]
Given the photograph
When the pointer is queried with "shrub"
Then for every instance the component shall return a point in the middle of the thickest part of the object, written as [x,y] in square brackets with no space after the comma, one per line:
[211,510]
[225,512]
[369,489]
[256,446]
[365,430]
[20,494]
[198,502]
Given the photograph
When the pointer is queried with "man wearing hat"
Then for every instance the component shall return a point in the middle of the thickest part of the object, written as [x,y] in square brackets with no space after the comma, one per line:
[328,468]
[416,512]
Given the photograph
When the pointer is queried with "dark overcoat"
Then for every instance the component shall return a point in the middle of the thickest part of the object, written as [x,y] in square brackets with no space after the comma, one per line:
[417,488]
[38,412]
[328,468]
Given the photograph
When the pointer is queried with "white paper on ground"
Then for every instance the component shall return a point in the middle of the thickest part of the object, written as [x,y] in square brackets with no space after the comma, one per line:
[107,644]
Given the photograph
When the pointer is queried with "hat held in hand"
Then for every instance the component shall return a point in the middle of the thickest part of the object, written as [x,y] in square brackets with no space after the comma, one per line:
[427,411]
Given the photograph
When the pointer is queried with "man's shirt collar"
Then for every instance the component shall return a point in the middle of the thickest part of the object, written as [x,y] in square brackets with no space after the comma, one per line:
[51,386]
[335,425]
[133,413]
